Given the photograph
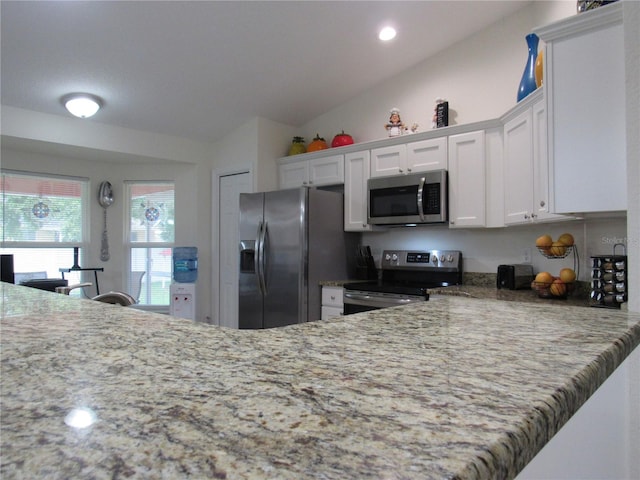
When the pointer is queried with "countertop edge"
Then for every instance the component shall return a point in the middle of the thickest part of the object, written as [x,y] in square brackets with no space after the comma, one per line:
[528,438]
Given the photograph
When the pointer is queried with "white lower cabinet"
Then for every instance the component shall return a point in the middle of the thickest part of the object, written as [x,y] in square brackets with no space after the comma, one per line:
[356,173]
[332,303]
[467,180]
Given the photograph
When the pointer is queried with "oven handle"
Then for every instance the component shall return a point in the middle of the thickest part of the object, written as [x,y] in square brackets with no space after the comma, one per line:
[420,205]
[370,299]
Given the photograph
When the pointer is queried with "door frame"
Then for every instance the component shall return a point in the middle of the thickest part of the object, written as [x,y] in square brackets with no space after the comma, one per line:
[216,174]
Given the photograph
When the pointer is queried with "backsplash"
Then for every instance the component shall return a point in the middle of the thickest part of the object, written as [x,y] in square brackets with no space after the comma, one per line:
[484,249]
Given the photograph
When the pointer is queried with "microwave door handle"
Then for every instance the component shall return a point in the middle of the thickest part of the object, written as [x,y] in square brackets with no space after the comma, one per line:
[420,195]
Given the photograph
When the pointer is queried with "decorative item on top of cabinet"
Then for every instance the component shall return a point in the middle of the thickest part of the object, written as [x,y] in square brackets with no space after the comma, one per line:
[342,140]
[332,303]
[539,69]
[440,114]
[528,81]
[317,144]
[395,126]
[297,146]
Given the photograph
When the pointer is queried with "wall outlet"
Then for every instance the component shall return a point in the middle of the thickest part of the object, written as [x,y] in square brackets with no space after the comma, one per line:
[526,255]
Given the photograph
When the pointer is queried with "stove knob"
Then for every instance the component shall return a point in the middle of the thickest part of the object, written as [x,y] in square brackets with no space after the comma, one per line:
[387,257]
[434,259]
[449,258]
[394,257]
[442,258]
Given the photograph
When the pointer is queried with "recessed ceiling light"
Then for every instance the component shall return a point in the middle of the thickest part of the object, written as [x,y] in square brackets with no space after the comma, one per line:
[387,33]
[83,105]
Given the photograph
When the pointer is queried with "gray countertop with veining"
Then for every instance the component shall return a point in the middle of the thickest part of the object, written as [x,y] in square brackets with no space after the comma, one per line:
[457,387]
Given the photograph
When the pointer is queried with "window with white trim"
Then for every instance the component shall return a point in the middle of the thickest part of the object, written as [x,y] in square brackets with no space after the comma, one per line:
[43,218]
[150,239]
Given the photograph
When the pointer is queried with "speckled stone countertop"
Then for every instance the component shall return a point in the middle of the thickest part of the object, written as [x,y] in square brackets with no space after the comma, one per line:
[457,387]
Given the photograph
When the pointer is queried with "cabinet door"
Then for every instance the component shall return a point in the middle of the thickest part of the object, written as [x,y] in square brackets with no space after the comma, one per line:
[467,180]
[326,170]
[541,184]
[427,155]
[586,95]
[327,313]
[518,169]
[387,161]
[292,175]
[356,174]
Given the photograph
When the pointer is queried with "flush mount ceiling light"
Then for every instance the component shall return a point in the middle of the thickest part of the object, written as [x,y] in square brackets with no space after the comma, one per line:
[83,105]
[387,33]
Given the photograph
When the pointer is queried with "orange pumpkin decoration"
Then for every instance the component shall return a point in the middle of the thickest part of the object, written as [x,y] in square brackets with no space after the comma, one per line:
[317,144]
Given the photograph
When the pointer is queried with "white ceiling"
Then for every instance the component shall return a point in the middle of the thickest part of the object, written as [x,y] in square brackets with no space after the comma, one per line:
[201,69]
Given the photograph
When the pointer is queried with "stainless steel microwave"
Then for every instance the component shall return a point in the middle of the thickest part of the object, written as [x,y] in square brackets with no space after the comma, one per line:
[417,198]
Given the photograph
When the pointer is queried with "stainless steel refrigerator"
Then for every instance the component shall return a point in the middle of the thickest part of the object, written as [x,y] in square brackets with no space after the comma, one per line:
[290,241]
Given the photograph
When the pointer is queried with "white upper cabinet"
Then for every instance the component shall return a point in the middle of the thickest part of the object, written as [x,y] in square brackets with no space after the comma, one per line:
[356,174]
[327,170]
[526,168]
[518,168]
[467,180]
[585,82]
[391,160]
[427,155]
[421,156]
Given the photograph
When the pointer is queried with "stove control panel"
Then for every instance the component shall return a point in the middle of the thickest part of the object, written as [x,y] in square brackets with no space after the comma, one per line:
[421,259]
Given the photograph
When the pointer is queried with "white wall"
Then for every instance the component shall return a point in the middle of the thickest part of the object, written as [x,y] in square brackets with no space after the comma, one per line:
[478,76]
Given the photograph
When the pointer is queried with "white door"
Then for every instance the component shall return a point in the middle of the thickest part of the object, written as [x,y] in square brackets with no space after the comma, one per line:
[230,188]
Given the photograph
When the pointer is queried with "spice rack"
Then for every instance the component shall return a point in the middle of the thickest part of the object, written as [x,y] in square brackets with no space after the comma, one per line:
[609,279]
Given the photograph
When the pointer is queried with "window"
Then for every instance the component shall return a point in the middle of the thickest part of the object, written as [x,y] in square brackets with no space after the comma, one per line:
[150,239]
[43,217]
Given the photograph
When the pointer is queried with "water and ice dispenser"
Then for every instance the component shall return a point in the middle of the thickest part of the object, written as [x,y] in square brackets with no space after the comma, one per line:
[183,287]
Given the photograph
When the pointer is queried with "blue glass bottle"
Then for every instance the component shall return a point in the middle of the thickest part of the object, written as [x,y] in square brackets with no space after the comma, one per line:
[528,82]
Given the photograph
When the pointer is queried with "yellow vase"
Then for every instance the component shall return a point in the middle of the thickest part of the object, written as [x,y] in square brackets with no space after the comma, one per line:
[539,69]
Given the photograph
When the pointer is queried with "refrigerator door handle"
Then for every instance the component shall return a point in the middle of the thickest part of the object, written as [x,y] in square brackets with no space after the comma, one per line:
[420,194]
[260,257]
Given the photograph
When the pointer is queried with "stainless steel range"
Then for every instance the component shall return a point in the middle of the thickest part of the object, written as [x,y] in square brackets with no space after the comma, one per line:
[406,277]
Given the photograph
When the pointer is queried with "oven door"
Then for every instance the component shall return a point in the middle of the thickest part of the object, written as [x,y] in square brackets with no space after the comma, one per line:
[356,301]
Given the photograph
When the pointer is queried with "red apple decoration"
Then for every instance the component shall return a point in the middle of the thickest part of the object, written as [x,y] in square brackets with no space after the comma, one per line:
[341,140]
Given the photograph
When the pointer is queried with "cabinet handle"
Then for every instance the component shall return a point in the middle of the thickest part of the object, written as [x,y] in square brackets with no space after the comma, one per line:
[408,169]
[542,203]
[310,182]
[304,183]
[452,222]
[526,216]
[333,297]
[533,215]
[400,170]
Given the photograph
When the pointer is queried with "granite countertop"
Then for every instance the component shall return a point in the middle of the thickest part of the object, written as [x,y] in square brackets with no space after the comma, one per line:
[457,387]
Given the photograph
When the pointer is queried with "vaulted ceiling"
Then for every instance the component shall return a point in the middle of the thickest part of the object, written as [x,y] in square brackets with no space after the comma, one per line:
[199,69]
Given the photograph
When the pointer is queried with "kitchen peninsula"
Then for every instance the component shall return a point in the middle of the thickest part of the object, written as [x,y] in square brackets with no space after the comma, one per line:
[453,388]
